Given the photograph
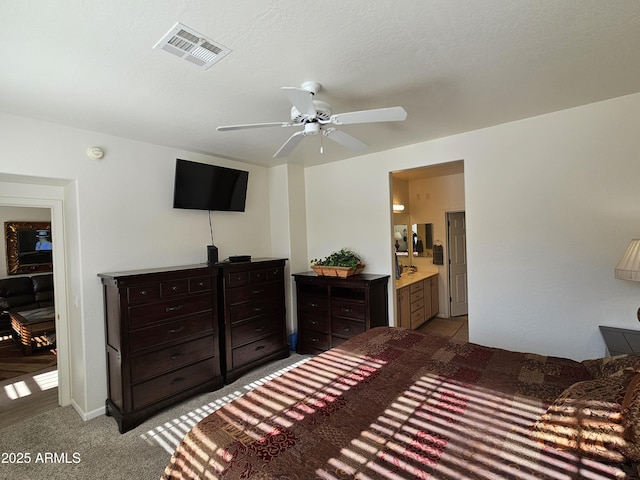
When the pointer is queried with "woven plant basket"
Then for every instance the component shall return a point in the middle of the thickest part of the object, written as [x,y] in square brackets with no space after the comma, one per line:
[343,272]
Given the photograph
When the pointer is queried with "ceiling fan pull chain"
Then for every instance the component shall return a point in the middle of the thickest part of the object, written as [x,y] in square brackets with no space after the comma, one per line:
[321,147]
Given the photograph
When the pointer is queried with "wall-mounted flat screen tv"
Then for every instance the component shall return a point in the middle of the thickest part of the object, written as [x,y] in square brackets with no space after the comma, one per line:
[200,186]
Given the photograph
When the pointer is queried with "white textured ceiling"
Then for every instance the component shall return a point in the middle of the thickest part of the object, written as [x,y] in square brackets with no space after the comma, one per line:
[454,66]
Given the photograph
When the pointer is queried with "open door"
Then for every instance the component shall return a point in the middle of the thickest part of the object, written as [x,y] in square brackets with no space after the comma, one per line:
[457,252]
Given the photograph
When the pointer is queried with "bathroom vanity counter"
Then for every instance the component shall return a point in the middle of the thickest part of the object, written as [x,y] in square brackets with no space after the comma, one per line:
[409,278]
[417,297]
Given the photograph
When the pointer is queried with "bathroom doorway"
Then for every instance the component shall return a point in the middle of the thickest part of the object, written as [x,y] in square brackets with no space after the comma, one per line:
[424,196]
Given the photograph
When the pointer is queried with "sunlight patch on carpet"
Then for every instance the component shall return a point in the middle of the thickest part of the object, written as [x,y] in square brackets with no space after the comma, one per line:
[171,433]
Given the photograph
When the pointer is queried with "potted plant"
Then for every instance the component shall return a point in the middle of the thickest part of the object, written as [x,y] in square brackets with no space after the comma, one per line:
[342,263]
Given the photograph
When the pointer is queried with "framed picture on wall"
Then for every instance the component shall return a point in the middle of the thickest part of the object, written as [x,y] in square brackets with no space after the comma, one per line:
[29,247]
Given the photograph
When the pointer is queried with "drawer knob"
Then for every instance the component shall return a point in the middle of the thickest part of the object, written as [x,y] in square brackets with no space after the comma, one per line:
[174,288]
[259,347]
[174,309]
[347,310]
[258,292]
[259,329]
[176,330]
[313,322]
[143,292]
[314,305]
[175,356]
[346,329]
[257,309]
[177,380]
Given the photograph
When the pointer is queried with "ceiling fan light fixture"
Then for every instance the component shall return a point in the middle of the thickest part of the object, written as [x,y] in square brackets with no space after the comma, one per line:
[191,46]
[315,117]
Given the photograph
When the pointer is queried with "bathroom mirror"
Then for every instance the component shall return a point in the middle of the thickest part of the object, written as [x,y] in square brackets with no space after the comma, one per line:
[422,239]
[401,239]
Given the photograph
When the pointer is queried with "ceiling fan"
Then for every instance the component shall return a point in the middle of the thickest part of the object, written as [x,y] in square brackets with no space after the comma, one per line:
[315,117]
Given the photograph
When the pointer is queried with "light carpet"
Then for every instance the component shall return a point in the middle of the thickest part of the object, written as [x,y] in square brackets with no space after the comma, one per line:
[58,445]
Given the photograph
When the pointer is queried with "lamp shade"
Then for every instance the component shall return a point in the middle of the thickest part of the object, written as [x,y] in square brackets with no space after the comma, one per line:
[629,265]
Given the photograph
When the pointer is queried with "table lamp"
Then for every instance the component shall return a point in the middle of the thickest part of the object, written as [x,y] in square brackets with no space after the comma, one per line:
[629,265]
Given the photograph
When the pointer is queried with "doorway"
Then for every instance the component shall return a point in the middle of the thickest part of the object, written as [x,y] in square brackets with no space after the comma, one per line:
[457,262]
[425,195]
[28,192]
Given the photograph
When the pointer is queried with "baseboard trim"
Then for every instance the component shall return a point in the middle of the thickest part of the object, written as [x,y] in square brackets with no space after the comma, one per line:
[86,416]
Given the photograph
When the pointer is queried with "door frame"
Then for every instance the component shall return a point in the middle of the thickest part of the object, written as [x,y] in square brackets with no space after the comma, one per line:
[59,280]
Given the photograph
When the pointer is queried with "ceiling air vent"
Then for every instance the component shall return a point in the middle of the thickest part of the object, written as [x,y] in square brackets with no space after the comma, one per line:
[186,43]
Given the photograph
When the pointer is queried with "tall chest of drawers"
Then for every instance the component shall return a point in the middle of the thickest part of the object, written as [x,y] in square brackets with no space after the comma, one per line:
[162,341]
[253,313]
[332,310]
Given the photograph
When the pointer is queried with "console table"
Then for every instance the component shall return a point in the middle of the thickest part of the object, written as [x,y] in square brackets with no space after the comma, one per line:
[332,309]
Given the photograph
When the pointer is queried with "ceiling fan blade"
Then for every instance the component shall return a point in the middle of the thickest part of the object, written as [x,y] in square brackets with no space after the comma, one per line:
[390,114]
[345,140]
[289,145]
[227,128]
[301,99]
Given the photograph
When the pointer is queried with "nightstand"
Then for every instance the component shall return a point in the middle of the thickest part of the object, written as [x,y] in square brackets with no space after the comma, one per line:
[620,340]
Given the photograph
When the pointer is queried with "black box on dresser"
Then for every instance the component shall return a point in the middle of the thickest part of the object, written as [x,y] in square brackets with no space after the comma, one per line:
[252,315]
[162,339]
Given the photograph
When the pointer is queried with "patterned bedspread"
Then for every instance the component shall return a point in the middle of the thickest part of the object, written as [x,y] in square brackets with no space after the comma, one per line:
[394,404]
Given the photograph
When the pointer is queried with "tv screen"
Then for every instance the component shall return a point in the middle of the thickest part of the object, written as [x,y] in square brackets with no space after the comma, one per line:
[201,186]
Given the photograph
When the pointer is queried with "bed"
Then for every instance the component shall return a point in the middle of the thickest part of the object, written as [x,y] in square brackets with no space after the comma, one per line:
[399,404]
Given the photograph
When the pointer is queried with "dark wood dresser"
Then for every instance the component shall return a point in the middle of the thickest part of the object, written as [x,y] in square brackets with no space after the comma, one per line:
[332,310]
[162,339]
[253,314]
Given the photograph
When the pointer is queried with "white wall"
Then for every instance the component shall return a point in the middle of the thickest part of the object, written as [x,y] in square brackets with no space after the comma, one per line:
[119,216]
[551,204]
[288,227]
[18,214]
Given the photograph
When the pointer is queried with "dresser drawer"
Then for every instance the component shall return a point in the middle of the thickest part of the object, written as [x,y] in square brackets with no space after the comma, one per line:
[251,293]
[174,288]
[200,284]
[170,358]
[255,310]
[346,328]
[258,276]
[258,349]
[275,274]
[172,331]
[319,324]
[313,305]
[237,279]
[314,341]
[249,331]
[164,386]
[145,314]
[416,287]
[143,293]
[347,309]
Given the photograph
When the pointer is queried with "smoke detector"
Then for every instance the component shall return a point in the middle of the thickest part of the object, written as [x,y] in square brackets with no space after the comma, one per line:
[186,43]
